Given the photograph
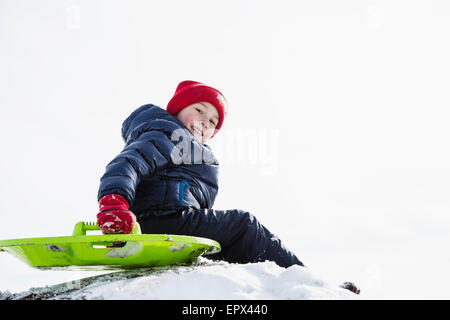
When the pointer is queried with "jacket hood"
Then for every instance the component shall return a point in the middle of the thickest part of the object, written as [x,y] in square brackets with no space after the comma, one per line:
[150,117]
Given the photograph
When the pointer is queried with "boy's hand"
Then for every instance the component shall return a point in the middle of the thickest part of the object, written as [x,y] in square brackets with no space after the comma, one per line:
[114,215]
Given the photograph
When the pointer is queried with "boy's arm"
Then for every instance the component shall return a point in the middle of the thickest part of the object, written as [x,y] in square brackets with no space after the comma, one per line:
[141,158]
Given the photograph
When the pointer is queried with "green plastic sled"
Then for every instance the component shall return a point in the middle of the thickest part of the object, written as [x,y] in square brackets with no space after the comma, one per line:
[99,252]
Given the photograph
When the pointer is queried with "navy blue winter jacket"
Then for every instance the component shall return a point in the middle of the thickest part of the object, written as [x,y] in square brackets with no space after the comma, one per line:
[162,168]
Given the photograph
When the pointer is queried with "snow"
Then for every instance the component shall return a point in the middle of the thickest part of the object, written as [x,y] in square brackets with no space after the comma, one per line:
[202,280]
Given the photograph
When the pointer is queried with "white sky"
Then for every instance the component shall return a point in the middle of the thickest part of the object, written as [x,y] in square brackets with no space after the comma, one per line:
[337,138]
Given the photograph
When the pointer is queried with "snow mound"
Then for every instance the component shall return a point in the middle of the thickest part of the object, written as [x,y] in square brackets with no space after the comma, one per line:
[200,281]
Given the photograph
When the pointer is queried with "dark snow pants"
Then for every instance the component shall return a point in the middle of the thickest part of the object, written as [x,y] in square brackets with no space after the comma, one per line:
[242,237]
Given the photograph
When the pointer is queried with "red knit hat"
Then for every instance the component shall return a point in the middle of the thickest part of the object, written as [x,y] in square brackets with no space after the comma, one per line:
[189,92]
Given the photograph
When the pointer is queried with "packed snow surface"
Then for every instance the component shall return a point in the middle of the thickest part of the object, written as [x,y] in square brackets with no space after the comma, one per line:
[202,280]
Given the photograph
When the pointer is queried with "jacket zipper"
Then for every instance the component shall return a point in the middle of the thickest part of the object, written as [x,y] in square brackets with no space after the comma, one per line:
[182,183]
[193,182]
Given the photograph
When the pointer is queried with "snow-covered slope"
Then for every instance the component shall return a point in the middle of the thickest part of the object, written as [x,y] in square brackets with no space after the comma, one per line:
[202,280]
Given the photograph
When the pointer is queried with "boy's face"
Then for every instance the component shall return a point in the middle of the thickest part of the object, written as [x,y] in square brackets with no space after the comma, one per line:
[201,118]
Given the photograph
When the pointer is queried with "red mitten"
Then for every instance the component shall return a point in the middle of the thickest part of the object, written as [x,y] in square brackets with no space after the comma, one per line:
[114,215]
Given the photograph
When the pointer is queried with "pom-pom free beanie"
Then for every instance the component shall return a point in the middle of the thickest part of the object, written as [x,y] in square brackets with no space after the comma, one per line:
[189,92]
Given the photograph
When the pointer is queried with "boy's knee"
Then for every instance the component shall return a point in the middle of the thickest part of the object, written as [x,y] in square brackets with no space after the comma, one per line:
[245,217]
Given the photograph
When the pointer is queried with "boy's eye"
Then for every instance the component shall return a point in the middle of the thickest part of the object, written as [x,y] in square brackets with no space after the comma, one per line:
[212,122]
[198,110]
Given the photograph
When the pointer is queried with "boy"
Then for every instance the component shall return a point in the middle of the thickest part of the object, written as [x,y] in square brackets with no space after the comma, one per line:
[156,180]
[166,178]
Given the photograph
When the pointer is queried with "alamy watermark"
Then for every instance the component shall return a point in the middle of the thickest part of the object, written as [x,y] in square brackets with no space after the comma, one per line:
[373,17]
[73,19]
[249,148]
[374,278]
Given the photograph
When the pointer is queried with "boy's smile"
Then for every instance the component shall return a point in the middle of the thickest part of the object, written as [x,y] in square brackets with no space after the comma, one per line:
[201,118]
